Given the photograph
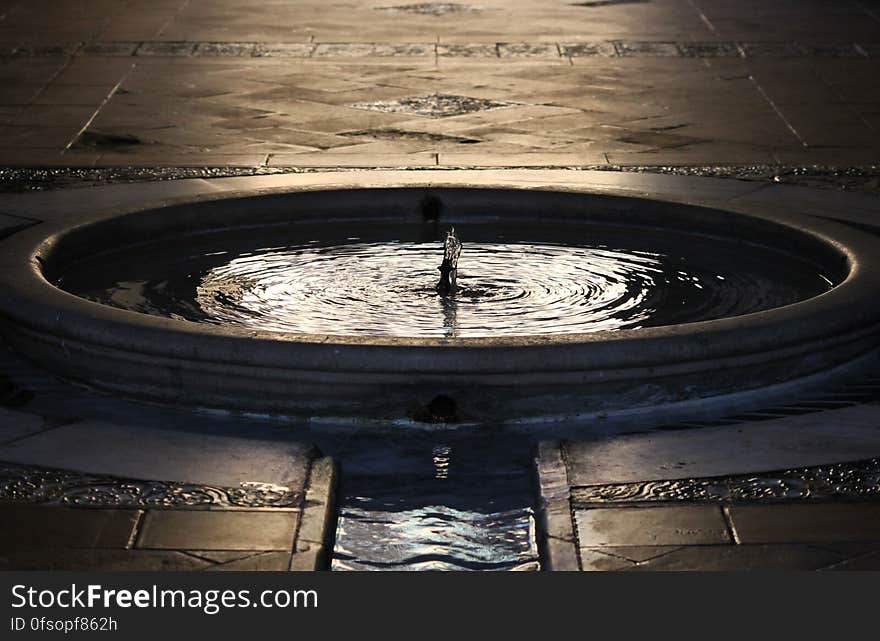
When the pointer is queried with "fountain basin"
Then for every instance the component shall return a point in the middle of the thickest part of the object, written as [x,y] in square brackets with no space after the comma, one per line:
[444,378]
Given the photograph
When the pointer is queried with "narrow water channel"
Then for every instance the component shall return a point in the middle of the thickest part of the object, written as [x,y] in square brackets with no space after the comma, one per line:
[459,502]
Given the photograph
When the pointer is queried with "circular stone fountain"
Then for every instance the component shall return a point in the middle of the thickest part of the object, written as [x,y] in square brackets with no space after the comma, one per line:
[323,303]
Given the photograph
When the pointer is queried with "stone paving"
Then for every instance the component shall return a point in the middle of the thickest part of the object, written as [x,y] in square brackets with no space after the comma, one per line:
[88,523]
[495,84]
[782,487]
[739,88]
[816,518]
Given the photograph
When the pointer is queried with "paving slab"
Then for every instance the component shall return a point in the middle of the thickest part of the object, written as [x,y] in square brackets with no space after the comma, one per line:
[807,523]
[168,535]
[867,563]
[15,425]
[263,562]
[219,530]
[26,526]
[244,82]
[74,560]
[794,441]
[9,224]
[735,558]
[637,526]
[149,453]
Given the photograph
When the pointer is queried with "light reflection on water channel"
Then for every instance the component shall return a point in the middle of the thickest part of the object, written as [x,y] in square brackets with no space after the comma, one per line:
[465,505]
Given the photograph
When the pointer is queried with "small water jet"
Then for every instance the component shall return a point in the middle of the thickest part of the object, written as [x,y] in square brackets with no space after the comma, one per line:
[449,267]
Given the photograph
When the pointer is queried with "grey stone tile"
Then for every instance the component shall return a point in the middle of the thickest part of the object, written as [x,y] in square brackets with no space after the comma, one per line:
[48,157]
[795,441]
[846,50]
[638,526]
[58,94]
[404,50]
[264,562]
[850,549]
[805,522]
[587,49]
[64,114]
[710,49]
[526,50]
[594,560]
[99,560]
[15,425]
[19,94]
[218,530]
[343,50]
[529,159]
[284,50]
[166,49]
[39,50]
[109,49]
[726,558]
[221,556]
[419,159]
[642,553]
[772,49]
[27,526]
[446,50]
[867,562]
[226,49]
[172,454]
[657,49]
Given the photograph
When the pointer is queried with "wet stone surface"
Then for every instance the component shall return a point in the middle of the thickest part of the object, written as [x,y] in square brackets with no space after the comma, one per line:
[662,49]
[805,522]
[235,49]
[23,484]
[467,50]
[397,134]
[710,49]
[434,105]
[577,49]
[430,8]
[637,526]
[30,527]
[218,530]
[847,481]
[166,48]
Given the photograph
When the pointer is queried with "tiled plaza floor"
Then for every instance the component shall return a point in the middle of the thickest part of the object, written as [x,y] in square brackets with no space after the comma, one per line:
[367,84]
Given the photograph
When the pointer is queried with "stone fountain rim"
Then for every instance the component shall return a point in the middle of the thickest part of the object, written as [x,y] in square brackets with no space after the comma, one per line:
[38,308]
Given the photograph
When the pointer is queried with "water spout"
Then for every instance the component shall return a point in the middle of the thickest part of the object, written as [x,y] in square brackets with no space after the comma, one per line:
[449,267]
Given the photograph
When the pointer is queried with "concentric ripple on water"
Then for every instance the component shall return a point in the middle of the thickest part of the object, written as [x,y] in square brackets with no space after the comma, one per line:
[507,285]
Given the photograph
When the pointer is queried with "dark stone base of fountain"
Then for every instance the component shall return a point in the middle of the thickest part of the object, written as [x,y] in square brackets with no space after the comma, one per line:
[385,377]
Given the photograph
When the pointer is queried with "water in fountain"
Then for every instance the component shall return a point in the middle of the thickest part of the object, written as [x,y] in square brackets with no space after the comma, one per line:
[381,280]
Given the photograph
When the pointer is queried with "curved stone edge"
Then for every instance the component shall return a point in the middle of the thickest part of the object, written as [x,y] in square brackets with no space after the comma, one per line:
[345,368]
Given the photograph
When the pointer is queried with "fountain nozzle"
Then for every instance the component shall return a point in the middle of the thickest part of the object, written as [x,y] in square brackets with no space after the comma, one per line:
[449,267]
